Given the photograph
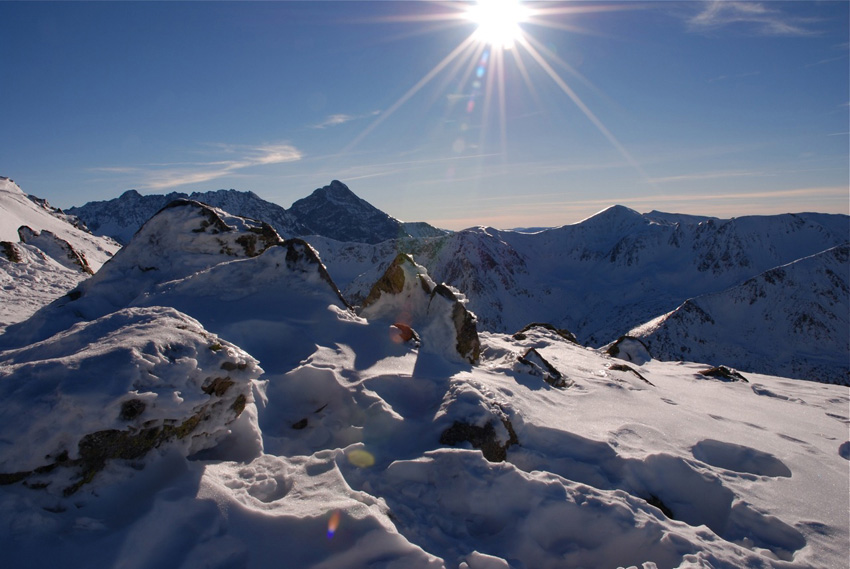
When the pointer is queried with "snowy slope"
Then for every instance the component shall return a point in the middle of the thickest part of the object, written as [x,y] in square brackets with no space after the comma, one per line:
[17,209]
[43,253]
[605,275]
[182,239]
[805,304]
[356,447]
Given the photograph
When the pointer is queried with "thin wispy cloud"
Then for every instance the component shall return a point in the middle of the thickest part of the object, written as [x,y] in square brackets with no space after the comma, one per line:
[161,176]
[756,17]
[737,76]
[706,176]
[341,118]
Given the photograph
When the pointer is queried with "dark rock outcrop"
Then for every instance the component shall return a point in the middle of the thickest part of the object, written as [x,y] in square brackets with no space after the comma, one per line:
[723,373]
[535,364]
[562,332]
[482,438]
[406,290]
[10,251]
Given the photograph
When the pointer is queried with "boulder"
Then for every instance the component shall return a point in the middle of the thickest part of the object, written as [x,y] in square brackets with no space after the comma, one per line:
[407,295]
[117,388]
[630,349]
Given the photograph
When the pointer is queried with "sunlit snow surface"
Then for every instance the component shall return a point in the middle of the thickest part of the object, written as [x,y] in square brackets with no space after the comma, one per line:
[336,460]
[753,472]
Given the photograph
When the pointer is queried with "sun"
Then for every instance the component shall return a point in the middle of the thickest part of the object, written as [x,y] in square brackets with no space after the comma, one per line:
[498,21]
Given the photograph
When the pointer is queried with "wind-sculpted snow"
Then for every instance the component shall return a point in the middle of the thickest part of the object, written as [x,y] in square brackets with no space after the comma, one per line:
[117,388]
[367,447]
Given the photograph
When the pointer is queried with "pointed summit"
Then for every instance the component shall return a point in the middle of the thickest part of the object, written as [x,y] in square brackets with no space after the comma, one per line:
[335,211]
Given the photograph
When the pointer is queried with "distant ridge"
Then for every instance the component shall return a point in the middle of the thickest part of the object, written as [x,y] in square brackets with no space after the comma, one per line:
[332,211]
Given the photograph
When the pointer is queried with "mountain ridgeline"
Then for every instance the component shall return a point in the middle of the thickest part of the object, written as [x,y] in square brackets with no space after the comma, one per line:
[618,272]
[333,211]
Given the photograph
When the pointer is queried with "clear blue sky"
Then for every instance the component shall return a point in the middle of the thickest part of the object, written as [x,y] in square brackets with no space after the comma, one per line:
[717,108]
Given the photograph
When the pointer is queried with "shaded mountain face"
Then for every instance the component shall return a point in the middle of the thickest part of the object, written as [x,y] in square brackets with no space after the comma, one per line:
[121,217]
[598,278]
[333,211]
[791,320]
[601,277]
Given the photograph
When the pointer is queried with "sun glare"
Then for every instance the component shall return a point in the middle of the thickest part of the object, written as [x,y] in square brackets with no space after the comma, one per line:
[498,21]
[485,64]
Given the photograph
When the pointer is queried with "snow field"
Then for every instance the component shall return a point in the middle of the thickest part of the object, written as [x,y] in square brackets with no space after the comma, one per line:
[335,461]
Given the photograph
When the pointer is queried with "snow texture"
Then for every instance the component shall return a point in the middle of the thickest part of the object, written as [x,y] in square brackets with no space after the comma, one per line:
[336,460]
[44,253]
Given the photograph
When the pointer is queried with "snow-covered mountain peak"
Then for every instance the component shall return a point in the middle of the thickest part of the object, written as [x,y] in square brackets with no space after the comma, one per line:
[8,185]
[614,218]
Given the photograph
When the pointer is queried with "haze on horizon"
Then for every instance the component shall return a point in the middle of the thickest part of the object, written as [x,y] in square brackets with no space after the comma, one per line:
[721,108]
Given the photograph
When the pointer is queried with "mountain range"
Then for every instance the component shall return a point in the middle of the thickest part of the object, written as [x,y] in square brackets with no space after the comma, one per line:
[210,398]
[333,211]
[601,278]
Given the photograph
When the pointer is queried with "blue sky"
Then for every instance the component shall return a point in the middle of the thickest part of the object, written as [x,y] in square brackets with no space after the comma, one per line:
[718,108]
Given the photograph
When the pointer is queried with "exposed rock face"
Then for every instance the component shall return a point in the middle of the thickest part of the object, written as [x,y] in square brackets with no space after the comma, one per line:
[624,367]
[136,380]
[301,257]
[55,247]
[407,294]
[482,438]
[535,364]
[8,250]
[723,373]
[562,332]
[468,344]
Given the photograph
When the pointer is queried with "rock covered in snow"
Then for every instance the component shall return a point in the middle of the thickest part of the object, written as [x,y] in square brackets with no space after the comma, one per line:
[116,388]
[535,364]
[407,295]
[18,210]
[56,247]
[44,253]
[629,349]
[183,238]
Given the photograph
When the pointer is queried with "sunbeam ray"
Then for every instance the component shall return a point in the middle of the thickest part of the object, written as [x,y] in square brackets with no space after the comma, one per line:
[583,107]
[468,43]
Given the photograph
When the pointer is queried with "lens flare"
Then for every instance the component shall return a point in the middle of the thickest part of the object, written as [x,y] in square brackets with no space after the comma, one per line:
[333,523]
[361,458]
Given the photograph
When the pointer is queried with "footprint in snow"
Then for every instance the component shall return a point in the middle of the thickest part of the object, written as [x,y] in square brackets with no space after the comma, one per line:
[739,458]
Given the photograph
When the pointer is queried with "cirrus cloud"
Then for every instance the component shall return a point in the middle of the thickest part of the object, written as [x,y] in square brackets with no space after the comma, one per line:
[160,176]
